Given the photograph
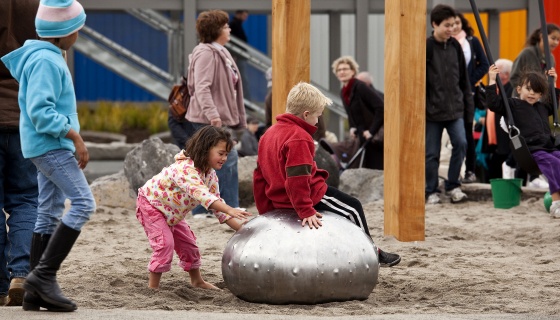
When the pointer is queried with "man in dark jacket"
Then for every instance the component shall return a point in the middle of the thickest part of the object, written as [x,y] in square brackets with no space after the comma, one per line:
[18,176]
[448,102]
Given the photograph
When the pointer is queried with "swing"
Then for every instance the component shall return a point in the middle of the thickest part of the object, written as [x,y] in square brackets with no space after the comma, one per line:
[518,145]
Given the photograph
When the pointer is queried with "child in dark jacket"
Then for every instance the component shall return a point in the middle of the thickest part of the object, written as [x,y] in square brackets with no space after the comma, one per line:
[287,176]
[530,112]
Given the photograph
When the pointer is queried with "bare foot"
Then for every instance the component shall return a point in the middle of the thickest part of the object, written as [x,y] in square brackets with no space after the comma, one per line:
[153,280]
[204,285]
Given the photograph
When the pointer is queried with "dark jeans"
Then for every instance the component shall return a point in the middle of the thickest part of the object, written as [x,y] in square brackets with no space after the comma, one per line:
[18,197]
[434,131]
[180,130]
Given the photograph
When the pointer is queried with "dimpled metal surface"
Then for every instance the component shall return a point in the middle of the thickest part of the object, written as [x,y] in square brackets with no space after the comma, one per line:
[273,259]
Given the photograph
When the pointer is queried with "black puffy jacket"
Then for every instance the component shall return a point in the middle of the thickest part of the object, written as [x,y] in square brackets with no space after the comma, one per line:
[448,92]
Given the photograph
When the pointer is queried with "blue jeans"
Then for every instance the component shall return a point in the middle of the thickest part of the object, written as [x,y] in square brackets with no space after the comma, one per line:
[434,131]
[18,197]
[228,178]
[59,178]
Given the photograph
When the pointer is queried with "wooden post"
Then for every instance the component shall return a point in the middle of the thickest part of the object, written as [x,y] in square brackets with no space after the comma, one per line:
[291,20]
[405,114]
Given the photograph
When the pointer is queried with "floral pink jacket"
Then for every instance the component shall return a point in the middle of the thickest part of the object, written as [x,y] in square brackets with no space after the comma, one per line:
[180,187]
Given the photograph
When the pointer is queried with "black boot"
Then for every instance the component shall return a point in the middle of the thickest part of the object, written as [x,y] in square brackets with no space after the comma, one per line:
[32,302]
[41,282]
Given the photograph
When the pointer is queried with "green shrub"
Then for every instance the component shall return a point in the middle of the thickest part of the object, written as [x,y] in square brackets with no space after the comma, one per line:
[118,116]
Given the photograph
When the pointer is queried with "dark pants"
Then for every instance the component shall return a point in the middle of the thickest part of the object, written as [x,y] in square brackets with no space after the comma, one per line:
[18,197]
[495,165]
[344,205]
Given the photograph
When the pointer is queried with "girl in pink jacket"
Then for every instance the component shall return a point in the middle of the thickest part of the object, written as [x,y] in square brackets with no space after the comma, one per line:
[165,200]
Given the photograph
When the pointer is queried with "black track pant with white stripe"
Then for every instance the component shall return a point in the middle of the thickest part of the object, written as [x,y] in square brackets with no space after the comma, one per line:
[344,205]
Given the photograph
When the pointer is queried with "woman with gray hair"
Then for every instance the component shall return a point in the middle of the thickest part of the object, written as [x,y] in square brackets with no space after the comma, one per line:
[364,108]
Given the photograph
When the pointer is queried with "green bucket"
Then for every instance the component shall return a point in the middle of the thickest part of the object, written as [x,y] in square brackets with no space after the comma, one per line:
[506,193]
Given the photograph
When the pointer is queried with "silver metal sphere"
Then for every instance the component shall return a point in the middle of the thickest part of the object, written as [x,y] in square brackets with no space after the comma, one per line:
[273,259]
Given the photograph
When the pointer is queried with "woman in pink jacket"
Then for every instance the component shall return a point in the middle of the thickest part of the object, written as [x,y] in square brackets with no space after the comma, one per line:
[216,93]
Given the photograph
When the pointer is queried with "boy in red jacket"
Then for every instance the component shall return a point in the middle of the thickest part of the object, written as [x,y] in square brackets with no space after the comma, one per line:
[287,177]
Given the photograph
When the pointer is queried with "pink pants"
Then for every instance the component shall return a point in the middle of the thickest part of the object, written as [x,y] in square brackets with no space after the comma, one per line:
[163,239]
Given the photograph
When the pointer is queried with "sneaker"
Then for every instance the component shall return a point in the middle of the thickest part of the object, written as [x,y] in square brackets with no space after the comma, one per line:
[507,171]
[538,183]
[470,177]
[3,299]
[457,195]
[555,209]
[387,259]
[15,293]
[433,199]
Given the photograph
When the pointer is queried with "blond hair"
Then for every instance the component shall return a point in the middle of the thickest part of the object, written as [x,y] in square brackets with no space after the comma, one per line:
[305,97]
[349,61]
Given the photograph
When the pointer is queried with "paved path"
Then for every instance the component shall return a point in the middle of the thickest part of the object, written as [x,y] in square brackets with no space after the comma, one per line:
[121,314]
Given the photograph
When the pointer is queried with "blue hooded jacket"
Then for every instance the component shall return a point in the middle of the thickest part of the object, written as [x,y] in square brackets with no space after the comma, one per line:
[46,97]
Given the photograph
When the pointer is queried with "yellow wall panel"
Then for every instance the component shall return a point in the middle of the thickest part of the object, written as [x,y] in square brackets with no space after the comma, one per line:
[513,33]
[513,26]
[472,21]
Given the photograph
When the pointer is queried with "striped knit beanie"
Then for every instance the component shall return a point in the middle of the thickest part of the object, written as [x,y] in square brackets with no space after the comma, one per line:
[59,18]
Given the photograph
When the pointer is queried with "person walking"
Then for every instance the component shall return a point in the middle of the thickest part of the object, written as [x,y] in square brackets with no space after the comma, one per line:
[49,129]
[448,102]
[364,108]
[216,90]
[18,175]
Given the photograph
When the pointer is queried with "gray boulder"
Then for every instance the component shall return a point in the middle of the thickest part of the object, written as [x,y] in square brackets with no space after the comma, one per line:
[113,191]
[245,168]
[364,184]
[325,161]
[146,160]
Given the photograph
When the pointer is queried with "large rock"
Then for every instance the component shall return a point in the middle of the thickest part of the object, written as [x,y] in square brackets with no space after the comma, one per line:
[364,184]
[325,161]
[113,191]
[147,160]
[245,168]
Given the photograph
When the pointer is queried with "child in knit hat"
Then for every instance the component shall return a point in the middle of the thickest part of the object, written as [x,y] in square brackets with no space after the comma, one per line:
[49,131]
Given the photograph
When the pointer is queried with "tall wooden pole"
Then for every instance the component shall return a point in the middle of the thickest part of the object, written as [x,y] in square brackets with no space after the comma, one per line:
[405,114]
[291,20]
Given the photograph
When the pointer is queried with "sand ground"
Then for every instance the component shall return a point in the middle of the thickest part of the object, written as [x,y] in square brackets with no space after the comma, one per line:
[476,262]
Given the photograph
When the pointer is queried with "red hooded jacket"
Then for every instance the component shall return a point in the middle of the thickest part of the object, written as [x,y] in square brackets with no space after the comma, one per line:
[287,175]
